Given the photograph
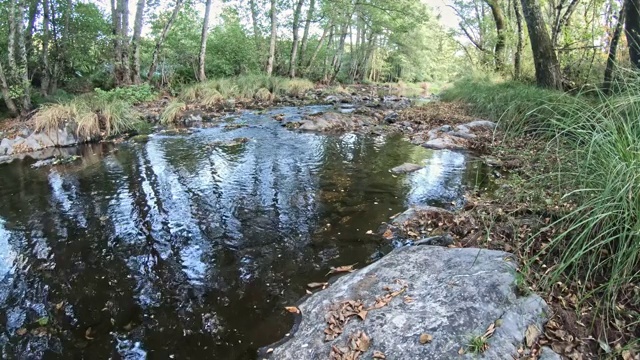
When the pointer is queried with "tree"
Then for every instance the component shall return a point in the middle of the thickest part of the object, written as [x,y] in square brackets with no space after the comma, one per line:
[613,50]
[162,37]
[46,71]
[544,56]
[6,95]
[135,42]
[498,17]
[632,30]
[294,46]
[203,42]
[272,43]
[517,57]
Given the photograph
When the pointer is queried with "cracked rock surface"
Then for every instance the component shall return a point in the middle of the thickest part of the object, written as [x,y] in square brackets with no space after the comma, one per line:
[451,294]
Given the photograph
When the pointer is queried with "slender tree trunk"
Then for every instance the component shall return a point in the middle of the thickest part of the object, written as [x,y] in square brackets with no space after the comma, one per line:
[46,71]
[562,21]
[293,61]
[116,19]
[24,64]
[272,45]
[11,41]
[203,42]
[135,42]
[544,56]
[124,38]
[305,34]
[325,64]
[163,36]
[517,58]
[4,88]
[33,12]
[318,47]
[613,52]
[337,59]
[632,30]
[498,17]
[256,29]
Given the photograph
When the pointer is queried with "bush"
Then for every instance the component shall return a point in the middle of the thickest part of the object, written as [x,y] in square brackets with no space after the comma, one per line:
[597,139]
[133,94]
[93,115]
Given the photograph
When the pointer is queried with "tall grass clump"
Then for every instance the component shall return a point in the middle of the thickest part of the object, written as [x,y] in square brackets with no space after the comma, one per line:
[172,112]
[93,116]
[244,88]
[596,244]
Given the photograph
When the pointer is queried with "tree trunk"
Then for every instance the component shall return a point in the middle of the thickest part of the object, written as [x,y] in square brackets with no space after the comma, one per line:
[562,21]
[318,47]
[272,45]
[305,34]
[160,41]
[116,20]
[46,71]
[256,29]
[517,58]
[337,59]
[11,41]
[613,51]
[135,42]
[498,17]
[124,38]
[544,56]
[203,42]
[293,61]
[4,88]
[33,12]
[632,30]
[24,64]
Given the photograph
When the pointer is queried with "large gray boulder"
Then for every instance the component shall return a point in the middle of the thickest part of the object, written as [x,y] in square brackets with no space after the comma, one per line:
[434,301]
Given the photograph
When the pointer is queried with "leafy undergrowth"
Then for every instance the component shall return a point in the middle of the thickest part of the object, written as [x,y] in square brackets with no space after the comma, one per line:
[570,209]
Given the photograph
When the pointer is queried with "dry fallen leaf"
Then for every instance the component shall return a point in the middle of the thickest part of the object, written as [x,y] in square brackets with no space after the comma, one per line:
[425,338]
[87,334]
[292,309]
[363,314]
[490,330]
[531,335]
[378,355]
[59,305]
[341,269]
[269,350]
[387,234]
[21,331]
[315,285]
[308,292]
[461,351]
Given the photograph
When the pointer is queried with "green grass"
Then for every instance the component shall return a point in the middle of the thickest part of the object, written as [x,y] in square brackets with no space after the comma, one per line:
[244,88]
[477,345]
[94,116]
[171,113]
[597,140]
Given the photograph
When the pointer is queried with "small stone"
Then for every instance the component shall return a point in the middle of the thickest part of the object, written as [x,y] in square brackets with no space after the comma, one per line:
[406,168]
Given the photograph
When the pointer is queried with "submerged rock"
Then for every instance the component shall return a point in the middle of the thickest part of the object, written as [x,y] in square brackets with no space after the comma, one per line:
[406,168]
[58,160]
[229,143]
[421,302]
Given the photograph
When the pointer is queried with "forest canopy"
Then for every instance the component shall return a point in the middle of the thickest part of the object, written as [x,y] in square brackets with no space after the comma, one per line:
[50,48]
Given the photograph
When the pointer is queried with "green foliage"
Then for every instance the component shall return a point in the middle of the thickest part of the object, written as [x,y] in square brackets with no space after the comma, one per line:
[93,115]
[244,88]
[172,112]
[133,94]
[598,141]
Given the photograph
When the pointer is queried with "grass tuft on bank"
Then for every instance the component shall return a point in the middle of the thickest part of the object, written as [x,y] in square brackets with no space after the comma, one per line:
[244,88]
[596,140]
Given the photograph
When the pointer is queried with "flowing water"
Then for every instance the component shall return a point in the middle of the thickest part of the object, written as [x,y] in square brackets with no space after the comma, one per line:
[178,248]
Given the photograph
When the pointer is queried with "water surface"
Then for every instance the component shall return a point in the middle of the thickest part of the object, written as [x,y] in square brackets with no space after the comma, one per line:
[178,248]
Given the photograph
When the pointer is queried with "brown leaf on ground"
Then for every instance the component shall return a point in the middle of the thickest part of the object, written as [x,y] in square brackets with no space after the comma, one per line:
[339,315]
[490,330]
[425,339]
[380,355]
[341,269]
[21,331]
[388,234]
[315,285]
[87,334]
[292,309]
[531,335]
[357,344]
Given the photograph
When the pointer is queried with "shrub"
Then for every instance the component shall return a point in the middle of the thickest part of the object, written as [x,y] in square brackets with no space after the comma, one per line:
[597,139]
[172,112]
[133,94]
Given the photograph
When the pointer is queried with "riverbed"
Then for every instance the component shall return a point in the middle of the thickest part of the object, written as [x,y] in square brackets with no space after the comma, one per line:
[183,246]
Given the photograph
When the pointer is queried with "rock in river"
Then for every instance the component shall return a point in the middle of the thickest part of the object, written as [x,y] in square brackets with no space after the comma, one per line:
[451,295]
[406,168]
